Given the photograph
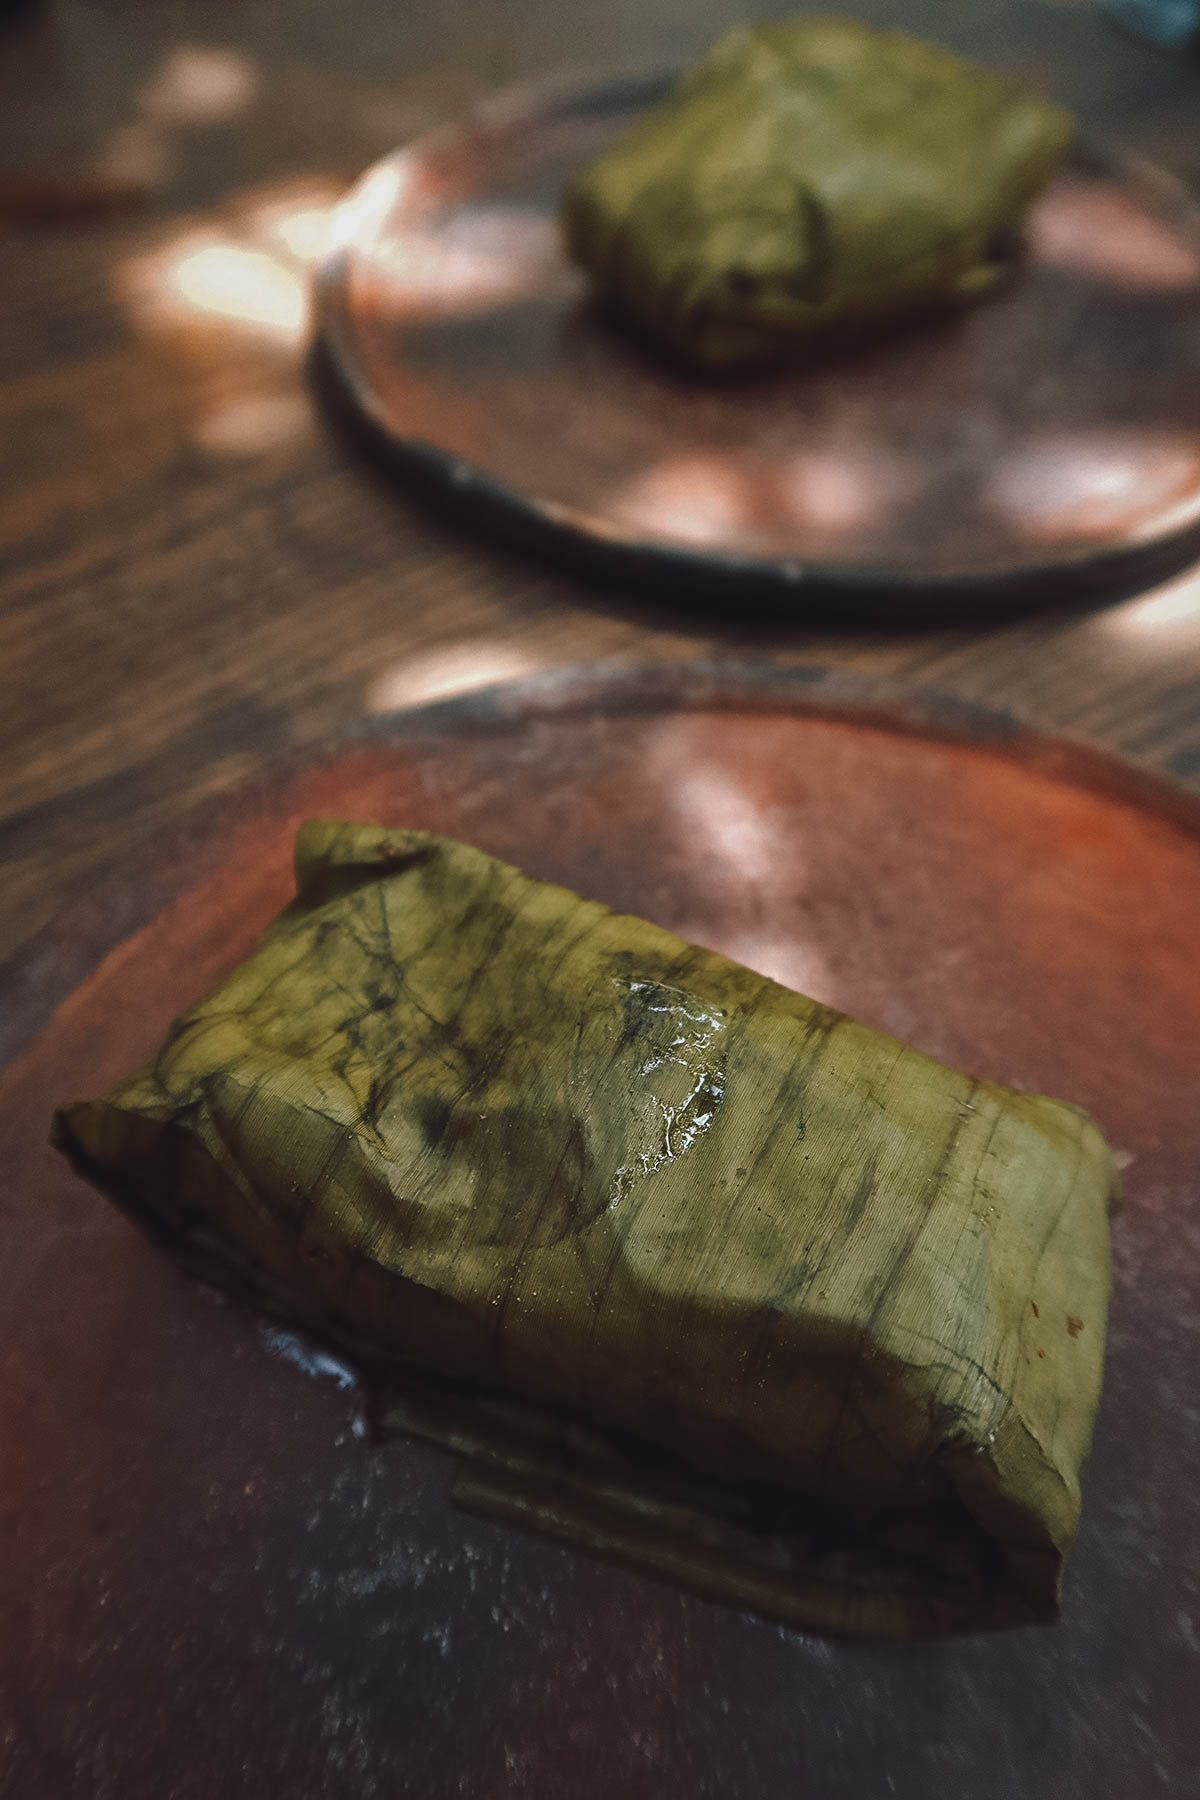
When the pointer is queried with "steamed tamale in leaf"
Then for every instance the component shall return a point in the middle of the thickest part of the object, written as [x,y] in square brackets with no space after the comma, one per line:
[810,173]
[695,1270]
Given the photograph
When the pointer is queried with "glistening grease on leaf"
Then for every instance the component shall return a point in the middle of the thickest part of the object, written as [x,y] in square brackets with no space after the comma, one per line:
[810,173]
[711,1277]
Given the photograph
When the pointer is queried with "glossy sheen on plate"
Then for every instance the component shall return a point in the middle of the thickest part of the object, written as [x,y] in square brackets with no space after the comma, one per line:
[194,1532]
[1044,443]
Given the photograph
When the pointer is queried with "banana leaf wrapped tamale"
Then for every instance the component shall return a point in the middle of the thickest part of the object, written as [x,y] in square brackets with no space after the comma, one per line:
[810,173]
[697,1271]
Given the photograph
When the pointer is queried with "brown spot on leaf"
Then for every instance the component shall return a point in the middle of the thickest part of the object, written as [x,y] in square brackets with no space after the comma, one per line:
[1074,1324]
[1036,1313]
[1042,1354]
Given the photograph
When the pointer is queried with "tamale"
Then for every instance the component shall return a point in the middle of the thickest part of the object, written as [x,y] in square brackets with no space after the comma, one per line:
[810,173]
[694,1270]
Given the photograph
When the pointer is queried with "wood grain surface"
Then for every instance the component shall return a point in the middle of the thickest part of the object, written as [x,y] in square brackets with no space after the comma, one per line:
[199,575]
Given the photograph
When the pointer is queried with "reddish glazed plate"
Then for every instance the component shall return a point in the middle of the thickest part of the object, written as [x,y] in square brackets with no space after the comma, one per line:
[213,1584]
[1044,444]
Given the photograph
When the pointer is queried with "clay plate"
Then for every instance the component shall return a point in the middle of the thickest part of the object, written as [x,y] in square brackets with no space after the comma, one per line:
[1045,444]
[213,1584]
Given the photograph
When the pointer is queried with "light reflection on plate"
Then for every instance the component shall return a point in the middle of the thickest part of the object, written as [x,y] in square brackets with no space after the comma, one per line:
[1044,442]
[1081,485]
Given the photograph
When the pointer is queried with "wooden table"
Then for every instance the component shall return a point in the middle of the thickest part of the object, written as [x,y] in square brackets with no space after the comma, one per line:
[199,578]
[196,573]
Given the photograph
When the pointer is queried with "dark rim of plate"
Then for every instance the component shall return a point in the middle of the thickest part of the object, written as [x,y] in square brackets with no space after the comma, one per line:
[605,556]
[48,967]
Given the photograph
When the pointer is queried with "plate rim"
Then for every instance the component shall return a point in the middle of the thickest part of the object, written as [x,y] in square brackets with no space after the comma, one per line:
[45,970]
[607,551]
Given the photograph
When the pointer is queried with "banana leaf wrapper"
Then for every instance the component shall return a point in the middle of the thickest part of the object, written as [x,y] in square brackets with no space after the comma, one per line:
[811,174]
[692,1270]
